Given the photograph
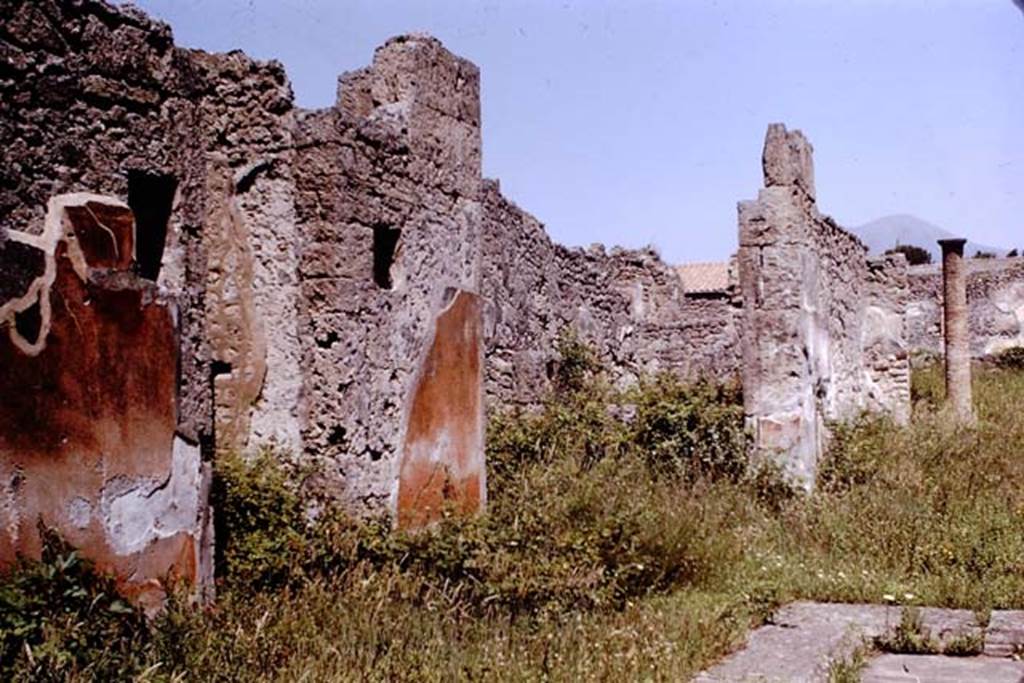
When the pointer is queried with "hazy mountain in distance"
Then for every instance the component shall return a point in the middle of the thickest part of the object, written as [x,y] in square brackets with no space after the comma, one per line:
[885,233]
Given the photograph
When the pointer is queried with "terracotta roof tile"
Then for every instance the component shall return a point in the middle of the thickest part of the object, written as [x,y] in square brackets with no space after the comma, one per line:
[704,277]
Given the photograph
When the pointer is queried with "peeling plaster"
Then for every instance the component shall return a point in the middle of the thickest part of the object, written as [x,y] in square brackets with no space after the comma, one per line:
[137,512]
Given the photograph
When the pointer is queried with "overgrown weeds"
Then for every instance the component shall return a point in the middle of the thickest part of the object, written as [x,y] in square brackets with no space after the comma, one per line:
[61,620]
[625,538]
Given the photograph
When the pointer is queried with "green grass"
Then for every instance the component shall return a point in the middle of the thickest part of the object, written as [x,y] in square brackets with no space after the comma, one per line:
[612,549]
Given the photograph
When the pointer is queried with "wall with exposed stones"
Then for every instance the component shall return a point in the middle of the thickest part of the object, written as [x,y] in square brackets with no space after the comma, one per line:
[821,334]
[884,338]
[388,191]
[627,304]
[191,266]
[995,299]
[259,227]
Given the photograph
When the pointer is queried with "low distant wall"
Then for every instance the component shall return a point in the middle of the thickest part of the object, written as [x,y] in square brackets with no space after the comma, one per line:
[628,304]
[995,299]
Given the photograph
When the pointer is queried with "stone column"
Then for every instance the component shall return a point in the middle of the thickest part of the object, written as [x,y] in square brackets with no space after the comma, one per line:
[957,334]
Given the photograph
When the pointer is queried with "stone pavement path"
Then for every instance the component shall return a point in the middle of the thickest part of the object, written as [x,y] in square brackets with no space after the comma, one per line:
[804,638]
[942,669]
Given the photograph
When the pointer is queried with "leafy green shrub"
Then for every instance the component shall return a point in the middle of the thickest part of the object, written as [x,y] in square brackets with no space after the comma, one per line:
[1011,358]
[690,428]
[575,425]
[574,422]
[60,619]
[577,362]
[856,453]
[263,535]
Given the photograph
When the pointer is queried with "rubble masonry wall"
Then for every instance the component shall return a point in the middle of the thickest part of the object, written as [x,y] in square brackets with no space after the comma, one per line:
[628,304]
[810,302]
[995,298]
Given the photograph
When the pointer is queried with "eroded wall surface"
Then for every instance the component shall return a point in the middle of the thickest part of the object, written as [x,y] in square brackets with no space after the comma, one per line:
[885,341]
[995,300]
[821,336]
[628,304]
[335,273]
[89,407]
[388,192]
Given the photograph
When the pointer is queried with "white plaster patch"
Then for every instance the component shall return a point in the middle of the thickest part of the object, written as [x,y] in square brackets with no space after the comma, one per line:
[10,517]
[79,512]
[1009,300]
[882,326]
[136,513]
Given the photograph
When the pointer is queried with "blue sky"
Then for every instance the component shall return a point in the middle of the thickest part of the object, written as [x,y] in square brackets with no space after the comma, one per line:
[640,122]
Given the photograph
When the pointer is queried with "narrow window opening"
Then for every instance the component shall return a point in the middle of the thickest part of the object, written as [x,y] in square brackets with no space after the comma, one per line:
[151,198]
[219,367]
[385,248]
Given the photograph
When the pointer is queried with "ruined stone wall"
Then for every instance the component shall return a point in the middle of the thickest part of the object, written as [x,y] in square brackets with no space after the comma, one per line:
[322,266]
[995,298]
[627,304]
[342,285]
[96,99]
[321,270]
[884,338]
[389,197]
[821,332]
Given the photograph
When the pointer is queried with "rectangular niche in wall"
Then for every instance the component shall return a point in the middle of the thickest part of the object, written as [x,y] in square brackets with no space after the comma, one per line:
[151,198]
[385,252]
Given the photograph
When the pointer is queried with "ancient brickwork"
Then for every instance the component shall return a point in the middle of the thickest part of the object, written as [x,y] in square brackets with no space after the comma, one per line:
[808,312]
[628,304]
[995,297]
[388,185]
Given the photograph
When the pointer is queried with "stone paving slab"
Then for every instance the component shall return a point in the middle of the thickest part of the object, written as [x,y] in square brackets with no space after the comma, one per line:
[801,642]
[803,639]
[1004,636]
[939,669]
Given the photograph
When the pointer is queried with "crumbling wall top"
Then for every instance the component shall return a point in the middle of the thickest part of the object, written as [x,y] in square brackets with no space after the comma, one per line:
[787,159]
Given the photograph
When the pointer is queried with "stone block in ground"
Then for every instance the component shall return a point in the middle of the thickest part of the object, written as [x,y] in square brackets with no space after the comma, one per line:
[801,642]
[1004,636]
[941,669]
